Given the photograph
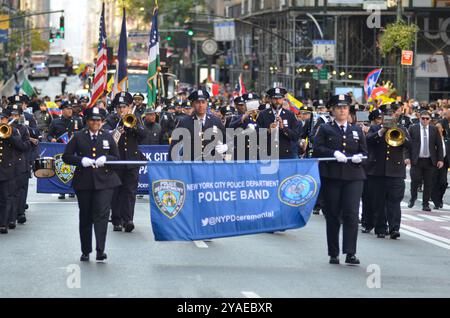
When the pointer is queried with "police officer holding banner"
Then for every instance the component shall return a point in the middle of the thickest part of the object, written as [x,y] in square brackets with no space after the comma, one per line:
[342,180]
[93,183]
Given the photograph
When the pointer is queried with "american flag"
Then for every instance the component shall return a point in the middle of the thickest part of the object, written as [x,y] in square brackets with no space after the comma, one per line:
[100,78]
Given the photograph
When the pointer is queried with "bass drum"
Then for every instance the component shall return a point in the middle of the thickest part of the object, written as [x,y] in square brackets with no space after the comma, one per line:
[44,167]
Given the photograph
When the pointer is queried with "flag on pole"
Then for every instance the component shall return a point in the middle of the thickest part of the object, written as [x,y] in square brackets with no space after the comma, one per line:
[53,109]
[371,81]
[294,103]
[100,77]
[27,88]
[64,138]
[121,77]
[212,87]
[154,66]
[241,86]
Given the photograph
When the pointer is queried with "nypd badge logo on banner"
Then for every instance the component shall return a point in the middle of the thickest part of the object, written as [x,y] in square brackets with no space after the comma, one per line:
[169,196]
[63,171]
[297,190]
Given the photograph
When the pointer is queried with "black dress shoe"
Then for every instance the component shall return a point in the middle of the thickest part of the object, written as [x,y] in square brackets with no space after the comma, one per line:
[316,211]
[411,203]
[101,257]
[3,230]
[436,207]
[351,260]
[21,219]
[366,230]
[426,208]
[71,195]
[381,235]
[12,225]
[84,258]
[395,235]
[117,228]
[26,206]
[441,205]
[334,260]
[61,196]
[129,227]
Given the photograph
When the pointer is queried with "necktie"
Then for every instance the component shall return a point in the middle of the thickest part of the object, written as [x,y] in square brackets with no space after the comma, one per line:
[94,138]
[342,129]
[426,150]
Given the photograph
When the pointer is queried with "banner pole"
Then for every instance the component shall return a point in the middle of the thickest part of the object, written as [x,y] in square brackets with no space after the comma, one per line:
[143,163]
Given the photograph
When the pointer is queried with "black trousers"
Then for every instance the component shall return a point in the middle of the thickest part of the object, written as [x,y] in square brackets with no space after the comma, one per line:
[439,185]
[20,186]
[6,190]
[94,208]
[23,193]
[366,204]
[341,200]
[124,198]
[423,170]
[388,193]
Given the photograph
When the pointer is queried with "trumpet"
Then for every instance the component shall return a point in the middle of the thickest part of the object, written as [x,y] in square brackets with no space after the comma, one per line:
[395,137]
[130,120]
[6,130]
[253,114]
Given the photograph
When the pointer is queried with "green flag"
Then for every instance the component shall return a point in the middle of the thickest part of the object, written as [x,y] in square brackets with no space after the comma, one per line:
[153,61]
[27,88]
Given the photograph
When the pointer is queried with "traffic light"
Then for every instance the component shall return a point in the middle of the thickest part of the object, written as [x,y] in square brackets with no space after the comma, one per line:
[51,37]
[58,34]
[61,23]
[169,37]
[189,30]
[246,66]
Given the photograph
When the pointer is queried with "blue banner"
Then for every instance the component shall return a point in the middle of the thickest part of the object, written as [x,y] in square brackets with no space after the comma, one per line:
[195,201]
[62,181]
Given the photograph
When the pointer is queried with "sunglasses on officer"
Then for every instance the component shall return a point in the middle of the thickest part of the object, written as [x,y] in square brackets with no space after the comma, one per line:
[425,118]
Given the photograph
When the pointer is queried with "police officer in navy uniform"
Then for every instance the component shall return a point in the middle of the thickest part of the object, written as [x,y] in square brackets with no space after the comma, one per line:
[66,123]
[138,102]
[125,196]
[10,151]
[386,171]
[197,124]
[342,180]
[247,121]
[282,122]
[21,167]
[93,182]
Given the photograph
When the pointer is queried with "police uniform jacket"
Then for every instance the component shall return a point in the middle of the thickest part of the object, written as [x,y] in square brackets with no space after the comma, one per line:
[22,163]
[10,150]
[80,146]
[189,123]
[385,160]
[286,135]
[61,125]
[328,139]
[129,140]
[43,120]
[153,135]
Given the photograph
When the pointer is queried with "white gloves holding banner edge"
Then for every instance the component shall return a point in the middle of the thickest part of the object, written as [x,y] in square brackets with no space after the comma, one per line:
[88,162]
[340,157]
[221,148]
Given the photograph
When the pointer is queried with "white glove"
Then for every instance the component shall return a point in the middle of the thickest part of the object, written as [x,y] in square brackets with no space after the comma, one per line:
[221,148]
[100,162]
[87,162]
[357,158]
[340,156]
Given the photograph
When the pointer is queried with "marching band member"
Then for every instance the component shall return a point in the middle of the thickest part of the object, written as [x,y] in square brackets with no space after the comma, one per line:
[342,181]
[93,183]
[281,122]
[129,138]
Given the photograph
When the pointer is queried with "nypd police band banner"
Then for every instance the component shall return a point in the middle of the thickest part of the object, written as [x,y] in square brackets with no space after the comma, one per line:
[62,181]
[196,201]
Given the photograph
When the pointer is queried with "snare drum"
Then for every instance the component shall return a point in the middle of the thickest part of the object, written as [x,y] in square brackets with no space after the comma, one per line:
[44,167]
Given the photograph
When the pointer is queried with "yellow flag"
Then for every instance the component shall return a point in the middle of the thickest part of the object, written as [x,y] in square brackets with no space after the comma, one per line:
[110,84]
[295,102]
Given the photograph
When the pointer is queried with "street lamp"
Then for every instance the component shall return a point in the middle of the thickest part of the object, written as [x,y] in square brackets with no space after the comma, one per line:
[342,73]
[350,76]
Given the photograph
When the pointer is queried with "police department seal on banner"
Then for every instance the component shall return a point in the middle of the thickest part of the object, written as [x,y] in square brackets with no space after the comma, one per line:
[297,190]
[63,171]
[169,196]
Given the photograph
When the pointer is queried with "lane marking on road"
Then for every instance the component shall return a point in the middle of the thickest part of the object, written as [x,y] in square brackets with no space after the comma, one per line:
[433,218]
[250,294]
[411,217]
[445,228]
[201,244]
[425,239]
[427,234]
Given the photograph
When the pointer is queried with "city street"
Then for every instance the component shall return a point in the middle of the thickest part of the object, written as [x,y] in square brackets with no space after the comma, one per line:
[36,257]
